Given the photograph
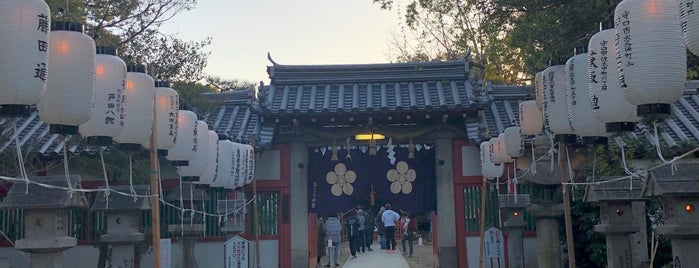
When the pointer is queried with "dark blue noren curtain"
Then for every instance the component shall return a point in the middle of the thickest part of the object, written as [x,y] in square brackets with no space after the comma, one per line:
[337,186]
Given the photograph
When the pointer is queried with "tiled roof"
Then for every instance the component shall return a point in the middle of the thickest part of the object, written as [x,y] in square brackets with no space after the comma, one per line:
[319,90]
[503,110]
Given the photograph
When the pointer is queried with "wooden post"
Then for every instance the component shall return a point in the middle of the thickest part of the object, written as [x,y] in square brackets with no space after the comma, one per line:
[255,216]
[565,177]
[155,194]
[484,192]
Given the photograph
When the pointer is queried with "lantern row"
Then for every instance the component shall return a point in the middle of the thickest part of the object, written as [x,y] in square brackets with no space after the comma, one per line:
[634,67]
[79,88]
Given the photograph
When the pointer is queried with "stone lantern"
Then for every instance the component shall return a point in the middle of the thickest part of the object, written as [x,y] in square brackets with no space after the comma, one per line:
[680,194]
[46,217]
[622,220]
[123,219]
[192,224]
[547,208]
[514,224]
[234,222]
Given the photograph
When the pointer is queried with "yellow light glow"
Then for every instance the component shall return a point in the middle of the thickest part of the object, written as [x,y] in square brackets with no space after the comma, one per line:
[369,136]
[689,208]
[99,70]
[515,213]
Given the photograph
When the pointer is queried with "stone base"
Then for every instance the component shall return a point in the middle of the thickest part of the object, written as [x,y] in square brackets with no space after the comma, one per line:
[46,245]
[609,229]
[122,239]
[448,257]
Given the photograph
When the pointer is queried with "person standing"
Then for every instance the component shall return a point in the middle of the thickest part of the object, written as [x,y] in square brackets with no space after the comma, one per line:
[380,228]
[368,229]
[407,223]
[353,231]
[333,232]
[320,229]
[389,219]
[362,229]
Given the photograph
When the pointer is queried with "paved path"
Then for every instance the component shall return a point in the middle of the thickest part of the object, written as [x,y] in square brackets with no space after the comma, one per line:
[377,259]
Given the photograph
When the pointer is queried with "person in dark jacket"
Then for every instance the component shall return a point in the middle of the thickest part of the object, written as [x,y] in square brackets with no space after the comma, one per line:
[353,234]
[333,232]
[361,245]
[369,225]
[320,229]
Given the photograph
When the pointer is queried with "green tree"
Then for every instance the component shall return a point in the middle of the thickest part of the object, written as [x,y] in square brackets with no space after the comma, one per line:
[223,85]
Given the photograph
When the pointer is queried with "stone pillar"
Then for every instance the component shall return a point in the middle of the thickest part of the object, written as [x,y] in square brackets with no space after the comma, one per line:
[188,234]
[547,233]
[514,224]
[191,225]
[46,237]
[299,205]
[445,204]
[617,223]
[122,234]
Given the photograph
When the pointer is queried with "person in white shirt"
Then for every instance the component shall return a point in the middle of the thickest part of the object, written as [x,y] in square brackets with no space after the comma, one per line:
[389,219]
[407,234]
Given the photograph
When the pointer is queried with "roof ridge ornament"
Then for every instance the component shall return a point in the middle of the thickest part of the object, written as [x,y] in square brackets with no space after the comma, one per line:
[269,57]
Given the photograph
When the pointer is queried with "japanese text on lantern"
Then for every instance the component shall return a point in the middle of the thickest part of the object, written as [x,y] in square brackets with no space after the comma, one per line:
[571,73]
[110,114]
[42,46]
[552,97]
[604,60]
[623,37]
[686,10]
[593,67]
[195,140]
[172,117]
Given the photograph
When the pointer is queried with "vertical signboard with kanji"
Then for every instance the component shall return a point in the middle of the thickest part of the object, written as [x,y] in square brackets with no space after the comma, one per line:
[237,252]
[494,247]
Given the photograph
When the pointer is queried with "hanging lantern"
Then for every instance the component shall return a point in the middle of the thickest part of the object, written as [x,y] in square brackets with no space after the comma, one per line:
[530,118]
[555,109]
[138,108]
[250,164]
[607,100]
[185,146]
[234,175]
[70,87]
[580,114]
[502,149]
[24,50]
[107,119]
[513,142]
[689,21]
[225,157]
[493,151]
[167,104]
[211,171]
[489,169]
[539,90]
[651,55]
[199,162]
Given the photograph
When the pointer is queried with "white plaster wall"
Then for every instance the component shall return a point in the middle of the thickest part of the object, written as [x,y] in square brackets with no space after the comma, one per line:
[267,165]
[470,161]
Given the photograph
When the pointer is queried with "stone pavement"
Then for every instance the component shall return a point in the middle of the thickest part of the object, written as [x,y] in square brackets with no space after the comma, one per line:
[377,259]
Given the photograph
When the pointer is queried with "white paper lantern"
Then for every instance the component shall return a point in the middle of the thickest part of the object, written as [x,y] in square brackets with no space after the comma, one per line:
[167,105]
[530,118]
[198,163]
[513,142]
[493,151]
[555,108]
[502,149]
[606,99]
[489,169]
[651,55]
[70,87]
[24,54]
[211,171]
[186,144]
[539,90]
[225,163]
[580,114]
[689,20]
[138,108]
[108,118]
[234,171]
